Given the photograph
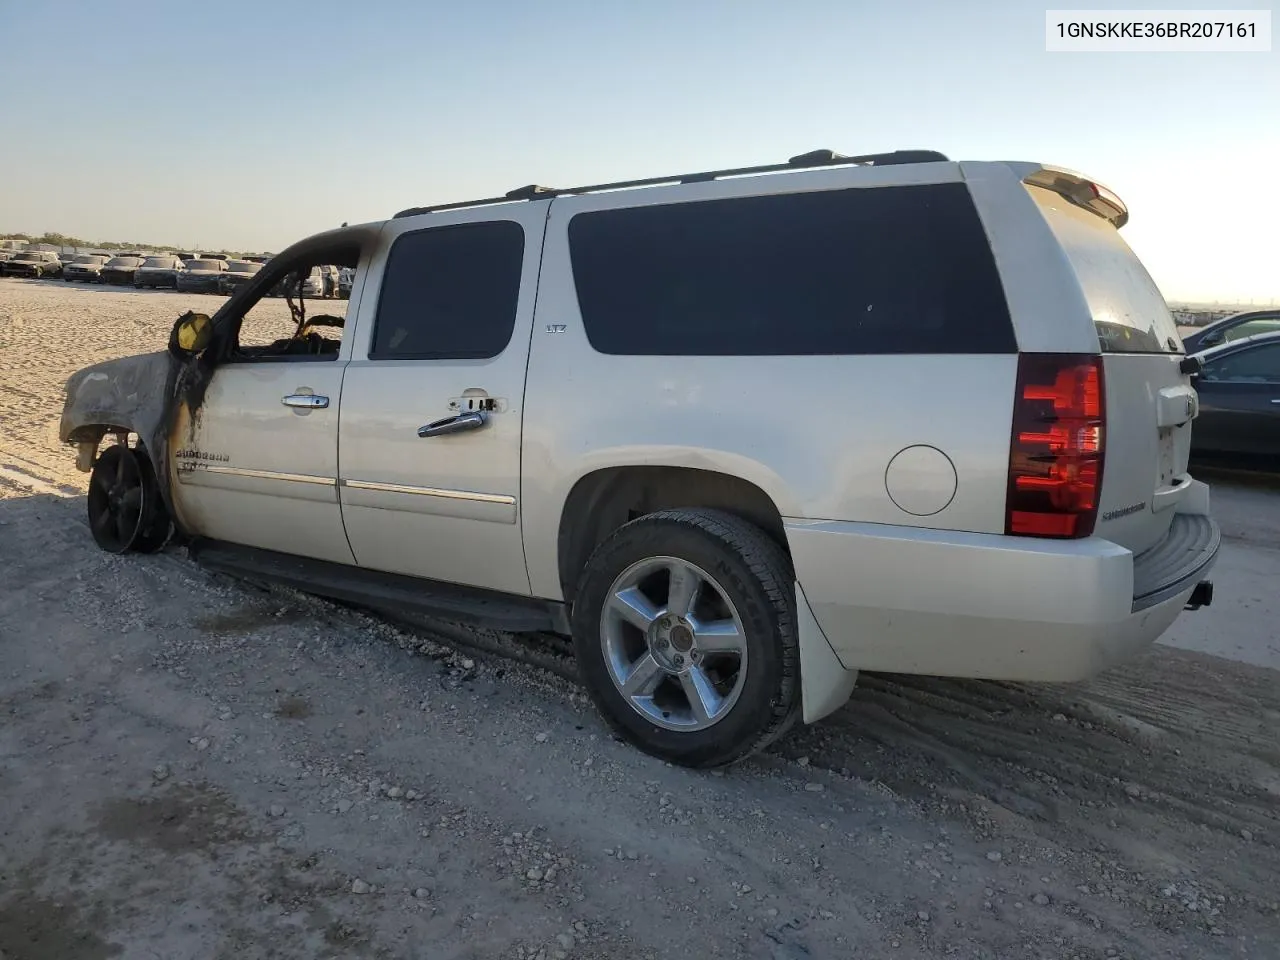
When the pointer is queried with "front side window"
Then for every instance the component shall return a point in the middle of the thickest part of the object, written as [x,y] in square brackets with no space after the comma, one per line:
[312,329]
[876,270]
[1260,364]
[450,293]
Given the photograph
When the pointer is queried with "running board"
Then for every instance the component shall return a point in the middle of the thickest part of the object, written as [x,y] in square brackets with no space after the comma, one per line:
[388,591]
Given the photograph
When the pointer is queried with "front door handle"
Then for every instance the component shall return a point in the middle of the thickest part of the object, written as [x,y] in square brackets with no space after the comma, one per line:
[471,420]
[307,401]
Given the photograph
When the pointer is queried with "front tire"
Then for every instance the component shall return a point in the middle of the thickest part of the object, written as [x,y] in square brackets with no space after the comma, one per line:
[684,627]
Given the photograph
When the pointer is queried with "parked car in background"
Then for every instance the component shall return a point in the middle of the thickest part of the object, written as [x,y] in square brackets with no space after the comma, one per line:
[37,264]
[158,272]
[346,276]
[322,281]
[1239,392]
[202,276]
[121,270]
[238,273]
[1235,327]
[84,267]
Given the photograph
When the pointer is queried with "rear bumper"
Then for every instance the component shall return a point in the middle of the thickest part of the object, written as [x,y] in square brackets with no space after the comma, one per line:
[911,600]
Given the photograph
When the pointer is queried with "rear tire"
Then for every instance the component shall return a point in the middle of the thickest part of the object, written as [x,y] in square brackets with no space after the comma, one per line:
[706,687]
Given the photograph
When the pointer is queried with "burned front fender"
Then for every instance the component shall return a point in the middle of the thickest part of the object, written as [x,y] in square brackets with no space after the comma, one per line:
[125,394]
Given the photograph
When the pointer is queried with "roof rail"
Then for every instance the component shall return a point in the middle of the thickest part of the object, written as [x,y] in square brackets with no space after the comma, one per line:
[815,158]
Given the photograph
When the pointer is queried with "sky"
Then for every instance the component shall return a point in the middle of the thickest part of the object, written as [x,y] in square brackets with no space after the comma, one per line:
[250,125]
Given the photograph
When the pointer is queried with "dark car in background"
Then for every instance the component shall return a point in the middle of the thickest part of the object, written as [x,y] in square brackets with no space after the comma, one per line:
[239,272]
[202,276]
[1239,391]
[84,267]
[1235,327]
[121,270]
[159,271]
[37,264]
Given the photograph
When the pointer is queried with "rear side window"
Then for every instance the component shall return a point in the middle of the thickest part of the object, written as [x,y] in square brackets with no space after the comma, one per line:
[875,270]
[1129,312]
[450,293]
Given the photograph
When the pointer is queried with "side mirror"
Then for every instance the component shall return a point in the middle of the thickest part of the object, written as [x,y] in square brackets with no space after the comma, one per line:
[192,333]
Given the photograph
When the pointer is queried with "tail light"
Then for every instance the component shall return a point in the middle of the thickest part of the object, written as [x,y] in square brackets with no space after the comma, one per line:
[1056,451]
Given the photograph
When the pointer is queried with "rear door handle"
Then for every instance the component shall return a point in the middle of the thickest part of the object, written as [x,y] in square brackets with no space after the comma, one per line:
[471,420]
[307,401]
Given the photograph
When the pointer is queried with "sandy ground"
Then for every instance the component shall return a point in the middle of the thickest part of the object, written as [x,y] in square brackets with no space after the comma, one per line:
[191,767]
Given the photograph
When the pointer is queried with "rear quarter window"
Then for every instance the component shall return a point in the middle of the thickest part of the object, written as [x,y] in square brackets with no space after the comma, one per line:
[879,270]
[1128,310]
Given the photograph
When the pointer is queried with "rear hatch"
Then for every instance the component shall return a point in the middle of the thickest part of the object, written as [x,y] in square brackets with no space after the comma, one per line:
[1150,402]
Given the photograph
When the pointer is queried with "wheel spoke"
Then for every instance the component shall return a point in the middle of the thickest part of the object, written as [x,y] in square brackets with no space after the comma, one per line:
[704,701]
[634,607]
[644,677]
[125,526]
[99,483]
[719,636]
[682,590]
[101,522]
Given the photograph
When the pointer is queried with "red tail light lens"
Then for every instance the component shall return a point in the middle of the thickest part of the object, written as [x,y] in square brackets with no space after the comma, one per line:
[1055,454]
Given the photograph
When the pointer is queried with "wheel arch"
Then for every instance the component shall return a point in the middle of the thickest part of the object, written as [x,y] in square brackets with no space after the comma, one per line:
[604,499]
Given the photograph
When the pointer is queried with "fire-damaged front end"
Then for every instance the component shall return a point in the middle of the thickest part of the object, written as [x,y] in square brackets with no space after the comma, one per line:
[138,397]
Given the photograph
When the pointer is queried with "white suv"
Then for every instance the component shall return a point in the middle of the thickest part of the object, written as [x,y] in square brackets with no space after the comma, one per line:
[741,433]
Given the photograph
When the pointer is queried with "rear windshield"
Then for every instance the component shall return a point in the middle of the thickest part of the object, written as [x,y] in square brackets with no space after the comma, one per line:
[204,264]
[1129,312]
[243,266]
[123,262]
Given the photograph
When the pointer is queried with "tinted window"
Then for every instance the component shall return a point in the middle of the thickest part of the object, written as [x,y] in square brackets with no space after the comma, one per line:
[875,270]
[450,293]
[1255,364]
[1251,328]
